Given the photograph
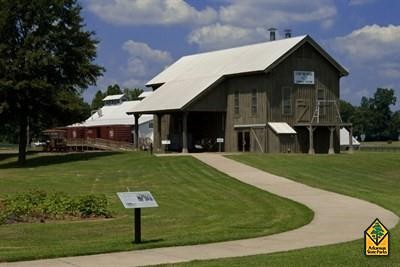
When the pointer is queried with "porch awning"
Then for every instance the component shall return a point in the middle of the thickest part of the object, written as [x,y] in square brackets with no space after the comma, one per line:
[281,128]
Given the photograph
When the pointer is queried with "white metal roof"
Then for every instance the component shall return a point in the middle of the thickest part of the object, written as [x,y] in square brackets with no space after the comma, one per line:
[113,115]
[255,57]
[281,128]
[113,97]
[191,75]
[344,138]
[145,94]
[175,94]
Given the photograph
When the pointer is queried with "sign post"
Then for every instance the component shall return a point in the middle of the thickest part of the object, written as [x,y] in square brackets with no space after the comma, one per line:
[137,201]
[138,228]
[220,141]
[166,143]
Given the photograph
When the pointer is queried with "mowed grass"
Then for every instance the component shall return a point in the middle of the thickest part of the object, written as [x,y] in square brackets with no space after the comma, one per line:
[197,204]
[371,176]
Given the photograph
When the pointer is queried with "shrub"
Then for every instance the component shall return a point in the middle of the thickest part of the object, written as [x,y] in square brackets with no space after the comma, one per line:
[36,206]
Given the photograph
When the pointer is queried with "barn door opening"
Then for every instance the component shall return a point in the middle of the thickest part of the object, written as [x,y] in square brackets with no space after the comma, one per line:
[243,143]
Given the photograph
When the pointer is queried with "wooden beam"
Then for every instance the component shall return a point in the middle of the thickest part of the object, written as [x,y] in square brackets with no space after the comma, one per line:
[158,135]
[331,148]
[137,116]
[311,150]
[184,132]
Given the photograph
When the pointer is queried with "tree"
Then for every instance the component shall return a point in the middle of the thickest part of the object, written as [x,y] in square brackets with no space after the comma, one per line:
[113,90]
[44,51]
[374,116]
[346,110]
[97,101]
[132,94]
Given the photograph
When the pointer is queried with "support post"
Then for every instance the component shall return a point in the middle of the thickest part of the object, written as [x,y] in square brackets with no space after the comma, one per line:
[311,137]
[184,132]
[158,133]
[138,230]
[351,139]
[137,116]
[331,148]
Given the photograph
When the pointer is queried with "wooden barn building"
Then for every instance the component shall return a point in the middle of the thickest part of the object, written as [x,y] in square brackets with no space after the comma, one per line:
[278,96]
[112,123]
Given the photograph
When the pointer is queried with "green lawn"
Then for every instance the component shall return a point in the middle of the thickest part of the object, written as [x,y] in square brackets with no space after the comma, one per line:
[197,204]
[371,176]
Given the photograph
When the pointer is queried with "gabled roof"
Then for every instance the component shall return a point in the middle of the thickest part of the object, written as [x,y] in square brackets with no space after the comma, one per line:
[113,115]
[113,97]
[191,75]
[145,94]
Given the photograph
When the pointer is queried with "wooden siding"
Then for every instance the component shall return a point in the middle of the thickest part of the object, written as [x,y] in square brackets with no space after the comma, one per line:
[213,100]
[121,133]
[268,88]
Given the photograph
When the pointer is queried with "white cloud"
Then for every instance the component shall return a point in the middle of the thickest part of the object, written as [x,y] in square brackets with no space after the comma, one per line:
[372,42]
[277,13]
[219,36]
[150,12]
[372,53]
[143,62]
[390,70]
[243,22]
[360,2]
[144,51]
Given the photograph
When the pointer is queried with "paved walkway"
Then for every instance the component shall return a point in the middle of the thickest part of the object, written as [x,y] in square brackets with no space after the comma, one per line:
[332,210]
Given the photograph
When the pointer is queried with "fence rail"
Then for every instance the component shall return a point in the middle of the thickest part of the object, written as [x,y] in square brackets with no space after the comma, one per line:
[97,143]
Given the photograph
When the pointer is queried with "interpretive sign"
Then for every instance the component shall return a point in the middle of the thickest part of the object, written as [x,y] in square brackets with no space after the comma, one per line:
[304,77]
[220,140]
[165,142]
[133,200]
[137,201]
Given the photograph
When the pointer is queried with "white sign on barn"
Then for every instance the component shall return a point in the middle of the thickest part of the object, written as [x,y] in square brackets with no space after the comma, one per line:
[303,77]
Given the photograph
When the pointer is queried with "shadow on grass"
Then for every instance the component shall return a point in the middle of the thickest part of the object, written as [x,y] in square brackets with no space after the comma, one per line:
[46,160]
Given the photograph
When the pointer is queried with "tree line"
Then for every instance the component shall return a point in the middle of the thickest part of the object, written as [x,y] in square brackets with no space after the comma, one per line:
[373,119]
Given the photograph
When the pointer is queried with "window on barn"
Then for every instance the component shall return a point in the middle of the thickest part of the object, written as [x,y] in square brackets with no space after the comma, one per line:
[287,108]
[254,101]
[151,125]
[236,103]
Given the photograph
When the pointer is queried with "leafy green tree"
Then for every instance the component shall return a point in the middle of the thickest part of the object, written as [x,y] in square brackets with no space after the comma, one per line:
[132,94]
[395,126]
[44,50]
[97,101]
[374,117]
[346,110]
[113,90]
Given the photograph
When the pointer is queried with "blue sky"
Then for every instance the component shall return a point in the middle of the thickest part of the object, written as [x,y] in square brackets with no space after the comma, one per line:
[139,38]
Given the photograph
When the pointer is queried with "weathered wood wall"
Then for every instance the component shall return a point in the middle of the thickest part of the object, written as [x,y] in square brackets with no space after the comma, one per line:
[269,87]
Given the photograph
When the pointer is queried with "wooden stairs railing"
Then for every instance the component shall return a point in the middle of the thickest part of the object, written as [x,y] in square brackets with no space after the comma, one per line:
[101,144]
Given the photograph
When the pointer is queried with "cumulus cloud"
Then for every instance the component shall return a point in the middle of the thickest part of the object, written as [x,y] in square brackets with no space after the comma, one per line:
[360,2]
[144,51]
[371,42]
[150,12]
[242,22]
[373,55]
[142,63]
[277,13]
[219,36]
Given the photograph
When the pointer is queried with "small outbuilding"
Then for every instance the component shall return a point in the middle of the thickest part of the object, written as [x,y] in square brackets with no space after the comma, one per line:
[111,122]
